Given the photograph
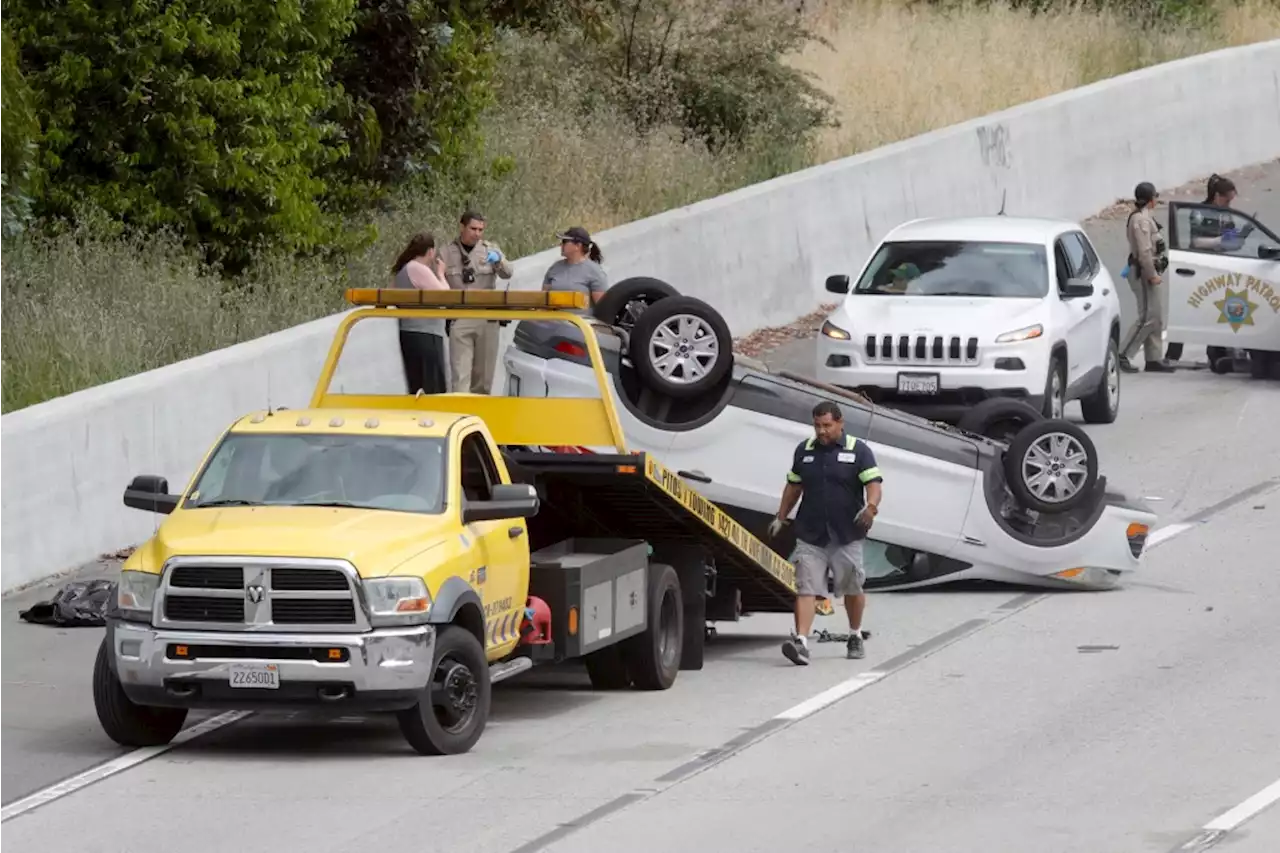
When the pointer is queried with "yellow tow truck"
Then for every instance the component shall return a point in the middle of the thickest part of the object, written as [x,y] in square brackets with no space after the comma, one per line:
[396,553]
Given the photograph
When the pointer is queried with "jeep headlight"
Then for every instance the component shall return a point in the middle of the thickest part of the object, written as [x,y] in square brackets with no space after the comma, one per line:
[1024,334]
[136,595]
[831,330]
[397,601]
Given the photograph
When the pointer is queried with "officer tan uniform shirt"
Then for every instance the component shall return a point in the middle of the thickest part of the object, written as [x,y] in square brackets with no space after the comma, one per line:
[1147,259]
[473,344]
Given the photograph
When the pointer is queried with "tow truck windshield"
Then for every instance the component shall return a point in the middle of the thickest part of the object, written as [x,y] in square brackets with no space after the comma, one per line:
[362,471]
[957,268]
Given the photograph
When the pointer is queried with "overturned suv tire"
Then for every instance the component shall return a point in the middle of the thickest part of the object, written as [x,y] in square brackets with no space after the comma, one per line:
[624,302]
[999,419]
[681,347]
[1051,466]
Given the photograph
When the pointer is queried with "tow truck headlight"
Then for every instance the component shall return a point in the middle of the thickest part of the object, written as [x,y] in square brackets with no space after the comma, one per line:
[1023,334]
[835,332]
[397,601]
[136,594]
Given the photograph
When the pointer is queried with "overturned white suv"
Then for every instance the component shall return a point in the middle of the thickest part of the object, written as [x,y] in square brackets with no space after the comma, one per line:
[948,313]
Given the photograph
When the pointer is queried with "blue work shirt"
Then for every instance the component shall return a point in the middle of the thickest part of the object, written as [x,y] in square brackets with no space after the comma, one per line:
[834,478]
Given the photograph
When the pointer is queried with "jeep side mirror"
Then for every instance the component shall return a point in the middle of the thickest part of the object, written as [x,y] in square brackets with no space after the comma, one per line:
[838,283]
[1269,253]
[1076,288]
[510,500]
[151,493]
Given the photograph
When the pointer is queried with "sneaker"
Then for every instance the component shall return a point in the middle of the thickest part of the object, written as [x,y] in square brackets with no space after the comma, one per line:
[796,651]
[853,649]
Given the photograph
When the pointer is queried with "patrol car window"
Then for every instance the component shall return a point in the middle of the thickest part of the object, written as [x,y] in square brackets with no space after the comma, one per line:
[1219,231]
[957,268]
[478,471]
[404,474]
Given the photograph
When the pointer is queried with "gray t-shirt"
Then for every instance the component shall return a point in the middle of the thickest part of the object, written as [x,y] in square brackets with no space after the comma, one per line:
[585,277]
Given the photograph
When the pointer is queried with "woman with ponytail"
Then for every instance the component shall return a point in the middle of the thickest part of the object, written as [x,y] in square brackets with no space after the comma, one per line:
[421,340]
[1216,229]
[579,268]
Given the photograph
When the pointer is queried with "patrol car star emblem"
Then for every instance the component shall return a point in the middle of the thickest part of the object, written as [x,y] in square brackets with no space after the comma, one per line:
[1235,309]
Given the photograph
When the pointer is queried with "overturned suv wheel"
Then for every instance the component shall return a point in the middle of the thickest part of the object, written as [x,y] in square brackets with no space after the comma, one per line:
[681,347]
[1051,466]
[999,419]
[624,302]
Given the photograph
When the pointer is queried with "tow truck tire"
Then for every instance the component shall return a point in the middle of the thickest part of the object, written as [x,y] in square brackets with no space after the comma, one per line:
[124,721]
[999,419]
[658,326]
[607,669]
[1049,442]
[653,657]
[460,667]
[616,308]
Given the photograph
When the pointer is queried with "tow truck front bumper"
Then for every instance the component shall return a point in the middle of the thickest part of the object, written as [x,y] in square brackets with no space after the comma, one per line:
[386,669]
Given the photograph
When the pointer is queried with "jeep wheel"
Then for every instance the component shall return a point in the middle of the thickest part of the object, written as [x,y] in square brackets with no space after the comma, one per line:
[681,347]
[1102,406]
[452,713]
[624,302]
[654,656]
[124,721]
[999,419]
[1051,466]
[1055,389]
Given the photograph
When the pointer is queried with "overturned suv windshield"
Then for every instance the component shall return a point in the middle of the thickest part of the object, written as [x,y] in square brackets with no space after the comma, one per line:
[955,268]
[365,471]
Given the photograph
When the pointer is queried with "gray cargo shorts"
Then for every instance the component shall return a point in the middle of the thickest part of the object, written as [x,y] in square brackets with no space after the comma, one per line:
[845,562]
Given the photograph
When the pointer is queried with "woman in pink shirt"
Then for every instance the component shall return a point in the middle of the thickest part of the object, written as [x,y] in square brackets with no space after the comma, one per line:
[422,340]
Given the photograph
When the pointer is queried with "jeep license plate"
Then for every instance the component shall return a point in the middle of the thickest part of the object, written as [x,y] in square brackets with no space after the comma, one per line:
[264,676]
[917,383]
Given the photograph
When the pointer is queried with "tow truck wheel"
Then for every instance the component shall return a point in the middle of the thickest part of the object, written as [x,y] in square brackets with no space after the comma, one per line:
[452,713]
[124,721]
[654,656]
[1051,466]
[607,669]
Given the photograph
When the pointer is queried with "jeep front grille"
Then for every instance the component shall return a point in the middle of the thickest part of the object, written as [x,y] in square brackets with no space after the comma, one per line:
[255,594]
[921,349]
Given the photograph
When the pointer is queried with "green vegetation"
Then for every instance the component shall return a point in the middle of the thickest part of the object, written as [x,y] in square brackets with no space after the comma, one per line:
[182,176]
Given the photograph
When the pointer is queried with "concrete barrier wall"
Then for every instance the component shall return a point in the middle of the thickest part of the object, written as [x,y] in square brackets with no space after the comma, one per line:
[759,255]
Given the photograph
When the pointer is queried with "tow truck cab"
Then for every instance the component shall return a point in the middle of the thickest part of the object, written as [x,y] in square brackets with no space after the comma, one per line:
[399,553]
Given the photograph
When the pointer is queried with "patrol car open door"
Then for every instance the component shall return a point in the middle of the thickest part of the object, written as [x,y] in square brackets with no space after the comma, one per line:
[1225,296]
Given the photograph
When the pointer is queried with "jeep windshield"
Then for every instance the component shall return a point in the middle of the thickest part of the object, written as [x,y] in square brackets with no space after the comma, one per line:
[957,268]
[386,472]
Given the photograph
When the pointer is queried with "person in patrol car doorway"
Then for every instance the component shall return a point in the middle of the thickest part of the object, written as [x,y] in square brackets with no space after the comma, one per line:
[835,478]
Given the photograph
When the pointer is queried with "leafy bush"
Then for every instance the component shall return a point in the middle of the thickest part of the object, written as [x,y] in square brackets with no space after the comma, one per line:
[21,135]
[196,116]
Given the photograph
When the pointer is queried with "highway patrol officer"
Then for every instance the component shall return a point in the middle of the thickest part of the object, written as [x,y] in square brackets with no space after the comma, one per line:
[841,486]
[1148,259]
[1216,229]
[472,263]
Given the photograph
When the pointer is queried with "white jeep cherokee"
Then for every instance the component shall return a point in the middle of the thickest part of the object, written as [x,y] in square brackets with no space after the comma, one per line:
[950,312]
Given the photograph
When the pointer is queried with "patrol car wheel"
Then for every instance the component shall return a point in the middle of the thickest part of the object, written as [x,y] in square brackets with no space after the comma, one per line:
[624,302]
[124,721]
[681,347]
[999,419]
[1051,466]
[653,657]
[454,708]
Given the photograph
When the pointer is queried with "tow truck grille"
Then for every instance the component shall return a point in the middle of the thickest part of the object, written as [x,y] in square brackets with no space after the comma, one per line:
[921,349]
[257,596]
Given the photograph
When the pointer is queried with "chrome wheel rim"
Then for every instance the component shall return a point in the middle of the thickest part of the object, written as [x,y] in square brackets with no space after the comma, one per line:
[1055,390]
[1054,467]
[683,349]
[1113,380]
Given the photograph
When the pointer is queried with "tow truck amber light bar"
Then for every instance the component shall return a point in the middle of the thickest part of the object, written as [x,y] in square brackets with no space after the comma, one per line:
[385,297]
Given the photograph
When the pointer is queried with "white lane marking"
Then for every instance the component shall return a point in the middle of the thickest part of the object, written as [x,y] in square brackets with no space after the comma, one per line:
[831,695]
[116,765]
[1230,820]
[1164,534]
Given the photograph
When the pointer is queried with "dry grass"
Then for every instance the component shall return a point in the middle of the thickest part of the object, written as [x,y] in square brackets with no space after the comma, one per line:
[80,311]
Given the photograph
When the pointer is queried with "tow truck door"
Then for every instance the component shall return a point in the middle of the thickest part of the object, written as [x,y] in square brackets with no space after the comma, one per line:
[1226,295]
[501,573]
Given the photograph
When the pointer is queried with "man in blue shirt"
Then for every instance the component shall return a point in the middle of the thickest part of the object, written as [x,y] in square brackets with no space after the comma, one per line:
[841,485]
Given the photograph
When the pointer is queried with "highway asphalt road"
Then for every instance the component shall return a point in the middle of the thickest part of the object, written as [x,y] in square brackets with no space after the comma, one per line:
[986,720]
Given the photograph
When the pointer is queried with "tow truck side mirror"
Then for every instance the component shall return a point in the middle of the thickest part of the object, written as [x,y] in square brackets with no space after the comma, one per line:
[838,283]
[510,500]
[151,493]
[1269,253]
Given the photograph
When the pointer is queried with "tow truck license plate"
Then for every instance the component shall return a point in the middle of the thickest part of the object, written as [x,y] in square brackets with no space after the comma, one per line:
[260,675]
[917,383]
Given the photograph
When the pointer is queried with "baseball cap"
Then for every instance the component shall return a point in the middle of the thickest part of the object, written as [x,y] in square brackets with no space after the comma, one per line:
[577,234]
